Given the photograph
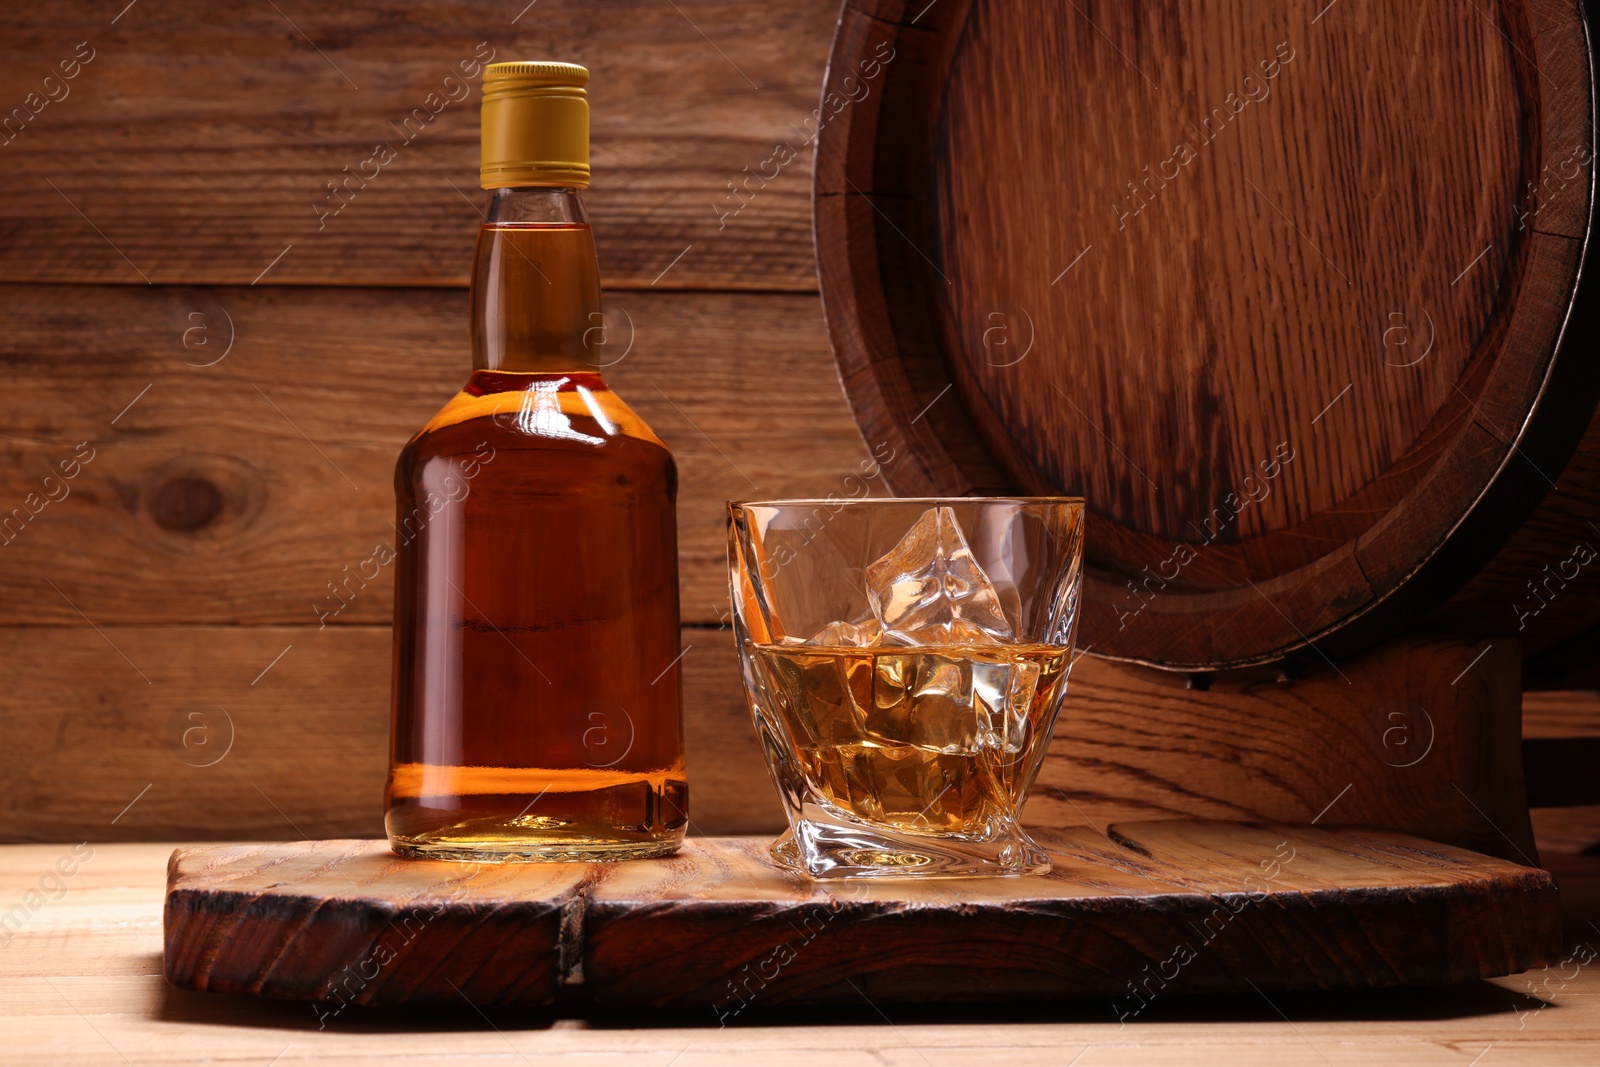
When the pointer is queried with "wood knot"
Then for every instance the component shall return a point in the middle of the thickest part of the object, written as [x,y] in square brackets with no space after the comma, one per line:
[186,504]
[194,498]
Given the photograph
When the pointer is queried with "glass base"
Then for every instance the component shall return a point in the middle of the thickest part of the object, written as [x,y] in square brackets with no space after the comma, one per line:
[827,850]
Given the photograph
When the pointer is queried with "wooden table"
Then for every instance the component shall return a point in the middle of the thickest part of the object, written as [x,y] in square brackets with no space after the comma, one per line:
[80,982]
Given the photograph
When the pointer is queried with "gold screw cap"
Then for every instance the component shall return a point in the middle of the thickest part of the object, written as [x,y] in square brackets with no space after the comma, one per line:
[535,125]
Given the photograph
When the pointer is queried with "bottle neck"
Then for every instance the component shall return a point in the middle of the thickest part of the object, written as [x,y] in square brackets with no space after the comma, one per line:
[535,284]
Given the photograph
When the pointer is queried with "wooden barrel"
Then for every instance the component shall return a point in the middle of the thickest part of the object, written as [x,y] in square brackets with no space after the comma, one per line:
[1289,293]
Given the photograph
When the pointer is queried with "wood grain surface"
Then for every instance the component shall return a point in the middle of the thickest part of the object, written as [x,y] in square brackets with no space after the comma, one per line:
[718,926]
[250,490]
[1300,349]
[1574,829]
[197,143]
[1561,747]
[280,732]
[1573,713]
[178,572]
[81,984]
[227,732]
[1418,736]
[230,428]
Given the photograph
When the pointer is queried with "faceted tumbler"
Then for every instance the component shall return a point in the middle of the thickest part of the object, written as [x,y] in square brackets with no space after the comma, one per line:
[905,660]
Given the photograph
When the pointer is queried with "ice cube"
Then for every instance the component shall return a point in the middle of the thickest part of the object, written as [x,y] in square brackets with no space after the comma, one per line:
[863,633]
[948,704]
[813,696]
[942,713]
[1004,693]
[929,589]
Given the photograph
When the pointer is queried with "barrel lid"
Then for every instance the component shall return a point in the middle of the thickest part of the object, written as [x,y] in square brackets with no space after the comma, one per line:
[1270,288]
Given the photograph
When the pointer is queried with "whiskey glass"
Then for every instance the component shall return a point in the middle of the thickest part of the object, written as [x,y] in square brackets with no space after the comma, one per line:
[905,661]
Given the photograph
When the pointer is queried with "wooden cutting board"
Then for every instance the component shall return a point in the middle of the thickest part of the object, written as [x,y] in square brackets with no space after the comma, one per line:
[1143,910]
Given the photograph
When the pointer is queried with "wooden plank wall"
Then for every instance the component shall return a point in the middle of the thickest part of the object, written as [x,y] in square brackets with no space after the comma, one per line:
[228,368]
[208,374]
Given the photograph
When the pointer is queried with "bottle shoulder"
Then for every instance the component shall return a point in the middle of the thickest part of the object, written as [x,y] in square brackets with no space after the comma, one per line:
[577,409]
[554,422]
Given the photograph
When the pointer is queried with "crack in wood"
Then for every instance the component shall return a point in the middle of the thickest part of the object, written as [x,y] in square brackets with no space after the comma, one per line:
[569,948]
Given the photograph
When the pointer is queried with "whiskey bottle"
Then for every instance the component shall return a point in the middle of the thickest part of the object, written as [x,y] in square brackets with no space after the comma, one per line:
[536,689]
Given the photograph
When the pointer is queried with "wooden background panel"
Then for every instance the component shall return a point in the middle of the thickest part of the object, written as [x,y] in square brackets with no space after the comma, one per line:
[191,151]
[230,732]
[1567,830]
[237,443]
[279,731]
[1569,713]
[196,142]
[296,432]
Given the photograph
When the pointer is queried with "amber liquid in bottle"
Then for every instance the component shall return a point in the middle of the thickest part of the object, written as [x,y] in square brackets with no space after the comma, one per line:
[537,676]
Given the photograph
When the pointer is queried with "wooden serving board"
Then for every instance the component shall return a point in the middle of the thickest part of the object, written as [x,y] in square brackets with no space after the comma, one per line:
[1145,909]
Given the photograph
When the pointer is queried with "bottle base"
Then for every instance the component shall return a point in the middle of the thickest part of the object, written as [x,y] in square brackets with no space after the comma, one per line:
[617,816]
[528,852]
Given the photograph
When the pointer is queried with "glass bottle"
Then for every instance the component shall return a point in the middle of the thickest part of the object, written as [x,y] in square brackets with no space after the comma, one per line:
[537,682]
